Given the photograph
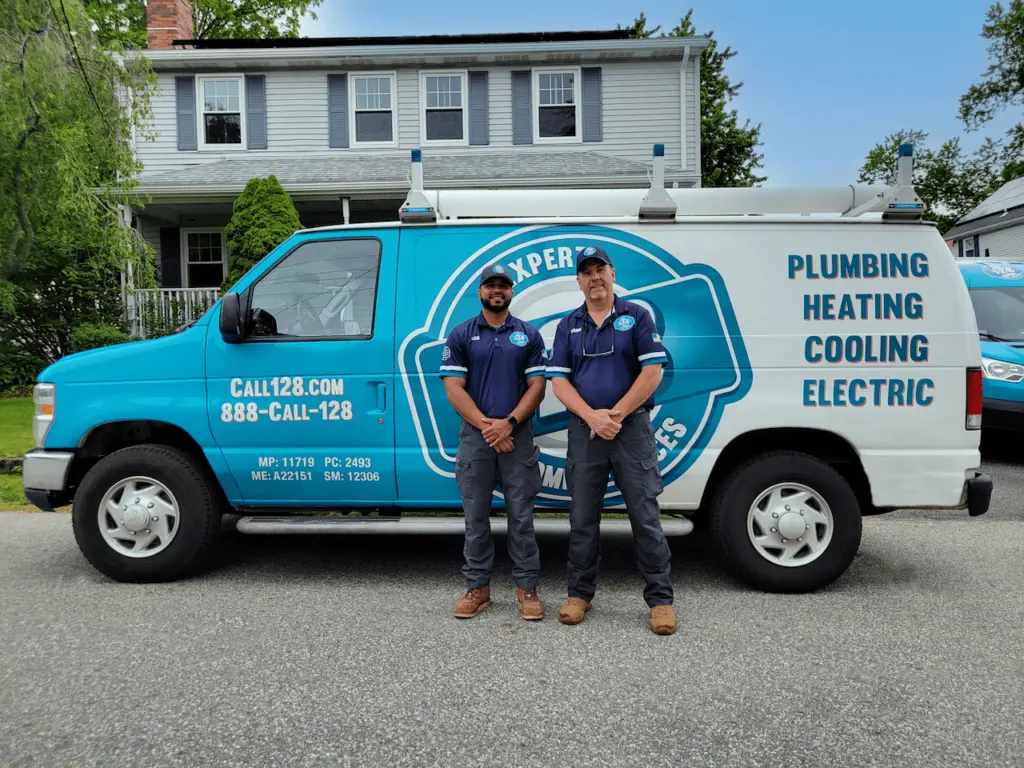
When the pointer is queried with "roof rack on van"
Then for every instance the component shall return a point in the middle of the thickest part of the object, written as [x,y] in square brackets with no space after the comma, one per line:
[898,203]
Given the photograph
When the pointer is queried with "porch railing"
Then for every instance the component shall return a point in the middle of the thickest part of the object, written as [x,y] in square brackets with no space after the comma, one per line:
[156,311]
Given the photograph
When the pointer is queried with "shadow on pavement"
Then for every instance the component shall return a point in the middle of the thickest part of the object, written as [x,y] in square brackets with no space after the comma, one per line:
[1002,446]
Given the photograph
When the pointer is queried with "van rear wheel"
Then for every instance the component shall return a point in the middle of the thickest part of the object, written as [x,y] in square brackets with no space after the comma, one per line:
[786,522]
[146,513]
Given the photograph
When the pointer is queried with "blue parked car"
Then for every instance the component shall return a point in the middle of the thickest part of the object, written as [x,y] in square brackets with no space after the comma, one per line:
[997,292]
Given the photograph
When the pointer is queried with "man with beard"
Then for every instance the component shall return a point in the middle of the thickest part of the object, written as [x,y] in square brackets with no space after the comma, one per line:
[493,369]
[605,366]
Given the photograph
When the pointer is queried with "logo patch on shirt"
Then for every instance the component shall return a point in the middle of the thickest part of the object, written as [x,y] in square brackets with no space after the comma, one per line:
[624,323]
[446,354]
[474,338]
[518,338]
[576,330]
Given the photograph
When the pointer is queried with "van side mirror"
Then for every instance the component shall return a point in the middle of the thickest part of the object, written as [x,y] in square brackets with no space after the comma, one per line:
[231,326]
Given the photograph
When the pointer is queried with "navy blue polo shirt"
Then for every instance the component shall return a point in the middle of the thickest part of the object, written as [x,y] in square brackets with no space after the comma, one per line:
[496,362]
[602,363]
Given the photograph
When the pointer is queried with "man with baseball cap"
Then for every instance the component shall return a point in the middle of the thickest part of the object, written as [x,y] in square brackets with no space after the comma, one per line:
[605,367]
[493,369]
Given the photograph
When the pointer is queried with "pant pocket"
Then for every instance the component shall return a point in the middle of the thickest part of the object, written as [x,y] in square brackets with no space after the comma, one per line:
[570,465]
[653,483]
[533,470]
[463,476]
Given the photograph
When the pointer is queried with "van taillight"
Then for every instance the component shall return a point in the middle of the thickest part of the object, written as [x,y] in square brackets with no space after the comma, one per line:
[973,398]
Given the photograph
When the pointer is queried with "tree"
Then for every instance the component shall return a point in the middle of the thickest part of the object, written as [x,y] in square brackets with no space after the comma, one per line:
[262,218]
[949,182]
[1002,85]
[728,150]
[122,23]
[66,168]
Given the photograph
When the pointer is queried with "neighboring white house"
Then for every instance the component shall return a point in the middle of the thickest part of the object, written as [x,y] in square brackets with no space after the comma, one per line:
[335,119]
[995,229]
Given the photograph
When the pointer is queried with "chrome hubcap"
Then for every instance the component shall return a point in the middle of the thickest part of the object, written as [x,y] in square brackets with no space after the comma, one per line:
[138,517]
[790,524]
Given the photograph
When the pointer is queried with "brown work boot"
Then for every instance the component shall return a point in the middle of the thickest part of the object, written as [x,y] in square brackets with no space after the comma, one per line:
[573,610]
[663,620]
[474,601]
[530,606]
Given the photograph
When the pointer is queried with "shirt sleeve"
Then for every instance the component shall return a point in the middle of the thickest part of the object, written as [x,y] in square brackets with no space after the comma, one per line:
[649,350]
[453,357]
[537,362]
[560,365]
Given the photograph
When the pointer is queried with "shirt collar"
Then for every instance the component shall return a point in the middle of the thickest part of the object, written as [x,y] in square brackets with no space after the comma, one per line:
[619,307]
[482,321]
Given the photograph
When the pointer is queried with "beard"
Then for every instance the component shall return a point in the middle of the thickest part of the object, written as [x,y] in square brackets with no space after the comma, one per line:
[495,303]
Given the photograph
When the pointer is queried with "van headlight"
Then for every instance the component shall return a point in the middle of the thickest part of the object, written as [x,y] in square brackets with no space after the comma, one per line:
[45,396]
[1002,371]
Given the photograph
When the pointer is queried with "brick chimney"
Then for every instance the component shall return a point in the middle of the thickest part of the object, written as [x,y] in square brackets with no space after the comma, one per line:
[167,21]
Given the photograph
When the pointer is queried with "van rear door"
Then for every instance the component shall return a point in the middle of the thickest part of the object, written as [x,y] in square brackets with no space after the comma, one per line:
[303,407]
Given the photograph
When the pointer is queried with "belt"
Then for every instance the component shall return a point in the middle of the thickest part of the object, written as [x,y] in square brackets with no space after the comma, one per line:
[629,417]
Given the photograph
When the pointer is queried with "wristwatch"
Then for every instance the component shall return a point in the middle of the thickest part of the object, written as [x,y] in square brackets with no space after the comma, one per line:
[513,420]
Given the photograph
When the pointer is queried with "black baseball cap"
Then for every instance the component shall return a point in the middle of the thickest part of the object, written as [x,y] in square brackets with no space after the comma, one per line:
[592,252]
[495,270]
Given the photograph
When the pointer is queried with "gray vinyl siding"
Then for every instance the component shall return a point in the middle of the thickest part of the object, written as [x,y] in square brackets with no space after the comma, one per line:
[150,231]
[640,100]
[1005,244]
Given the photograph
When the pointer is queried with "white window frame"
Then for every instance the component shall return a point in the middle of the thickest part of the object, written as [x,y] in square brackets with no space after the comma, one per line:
[577,87]
[464,75]
[353,140]
[184,253]
[201,113]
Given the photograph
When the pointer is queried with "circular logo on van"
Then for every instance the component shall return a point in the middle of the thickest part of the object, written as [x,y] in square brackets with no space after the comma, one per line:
[1003,270]
[689,306]
[518,338]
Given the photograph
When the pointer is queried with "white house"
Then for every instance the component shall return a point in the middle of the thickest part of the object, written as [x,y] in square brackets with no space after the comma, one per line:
[995,229]
[335,119]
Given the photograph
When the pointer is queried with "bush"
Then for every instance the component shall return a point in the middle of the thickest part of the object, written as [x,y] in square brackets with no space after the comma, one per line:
[263,217]
[18,369]
[93,336]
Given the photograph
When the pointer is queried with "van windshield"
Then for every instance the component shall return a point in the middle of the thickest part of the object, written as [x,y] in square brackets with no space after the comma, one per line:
[1000,312]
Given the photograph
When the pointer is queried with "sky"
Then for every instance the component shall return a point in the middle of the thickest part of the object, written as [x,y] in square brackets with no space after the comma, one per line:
[826,80]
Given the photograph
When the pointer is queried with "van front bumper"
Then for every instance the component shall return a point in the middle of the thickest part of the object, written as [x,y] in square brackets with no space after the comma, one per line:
[1002,414]
[978,493]
[45,478]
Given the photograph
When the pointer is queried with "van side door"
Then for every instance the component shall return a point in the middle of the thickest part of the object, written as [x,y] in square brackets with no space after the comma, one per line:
[303,406]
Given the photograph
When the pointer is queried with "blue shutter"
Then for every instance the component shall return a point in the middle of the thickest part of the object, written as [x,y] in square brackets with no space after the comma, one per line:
[337,109]
[478,112]
[185,100]
[592,104]
[256,111]
[522,108]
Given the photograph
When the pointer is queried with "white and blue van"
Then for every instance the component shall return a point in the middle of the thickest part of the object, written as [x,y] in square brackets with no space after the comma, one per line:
[997,292]
[823,366]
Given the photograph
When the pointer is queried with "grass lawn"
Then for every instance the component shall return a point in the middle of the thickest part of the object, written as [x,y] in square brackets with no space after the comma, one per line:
[11,493]
[16,426]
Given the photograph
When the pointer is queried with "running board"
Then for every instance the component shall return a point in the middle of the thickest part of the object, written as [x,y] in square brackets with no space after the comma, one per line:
[673,526]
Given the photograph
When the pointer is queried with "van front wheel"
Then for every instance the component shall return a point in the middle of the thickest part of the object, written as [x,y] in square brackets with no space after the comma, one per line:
[146,514]
[786,522]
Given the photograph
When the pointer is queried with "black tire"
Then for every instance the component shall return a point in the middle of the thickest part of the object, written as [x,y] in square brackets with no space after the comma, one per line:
[731,506]
[199,515]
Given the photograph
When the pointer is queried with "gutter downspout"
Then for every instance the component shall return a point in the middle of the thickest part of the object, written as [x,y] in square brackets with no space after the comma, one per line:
[684,163]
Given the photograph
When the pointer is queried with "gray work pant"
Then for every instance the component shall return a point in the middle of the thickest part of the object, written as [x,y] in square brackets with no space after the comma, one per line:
[478,469]
[633,457]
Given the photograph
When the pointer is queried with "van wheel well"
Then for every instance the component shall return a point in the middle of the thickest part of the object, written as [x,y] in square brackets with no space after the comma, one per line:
[827,446]
[107,438]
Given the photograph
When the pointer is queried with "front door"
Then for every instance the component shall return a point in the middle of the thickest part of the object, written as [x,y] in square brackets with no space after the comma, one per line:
[303,408]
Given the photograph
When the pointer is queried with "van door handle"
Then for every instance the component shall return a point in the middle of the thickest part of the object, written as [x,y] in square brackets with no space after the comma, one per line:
[382,397]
